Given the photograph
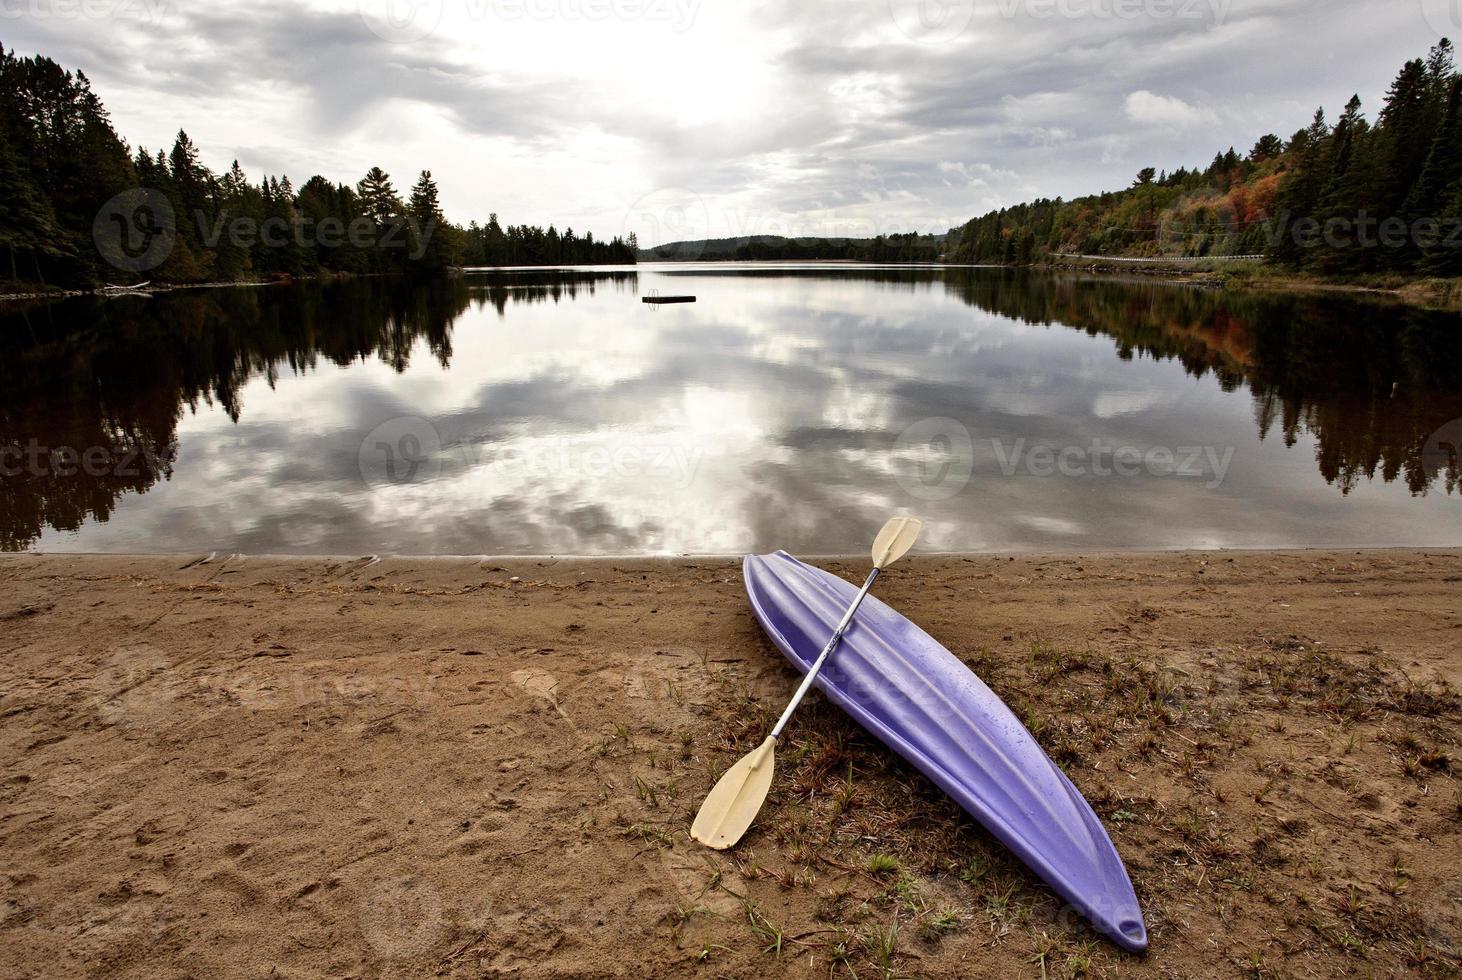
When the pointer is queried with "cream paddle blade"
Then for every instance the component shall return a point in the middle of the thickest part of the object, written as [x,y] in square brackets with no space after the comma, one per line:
[735,801]
[895,540]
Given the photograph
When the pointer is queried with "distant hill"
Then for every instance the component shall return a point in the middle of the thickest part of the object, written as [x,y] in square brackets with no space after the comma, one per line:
[885,248]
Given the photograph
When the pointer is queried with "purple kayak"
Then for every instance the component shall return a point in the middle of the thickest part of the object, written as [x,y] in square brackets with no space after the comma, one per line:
[927,706]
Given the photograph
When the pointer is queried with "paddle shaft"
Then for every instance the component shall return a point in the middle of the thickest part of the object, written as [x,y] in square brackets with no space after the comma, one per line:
[822,657]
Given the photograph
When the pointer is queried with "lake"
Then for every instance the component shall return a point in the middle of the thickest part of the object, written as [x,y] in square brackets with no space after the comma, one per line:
[551,412]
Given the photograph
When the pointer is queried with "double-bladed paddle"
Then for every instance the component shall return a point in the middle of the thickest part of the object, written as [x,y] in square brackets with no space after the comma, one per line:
[734,802]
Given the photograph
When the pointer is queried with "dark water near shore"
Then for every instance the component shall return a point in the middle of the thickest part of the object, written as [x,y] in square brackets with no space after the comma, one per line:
[551,412]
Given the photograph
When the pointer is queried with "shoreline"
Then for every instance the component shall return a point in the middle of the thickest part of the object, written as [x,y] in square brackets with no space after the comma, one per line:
[1443,295]
[149,289]
[452,766]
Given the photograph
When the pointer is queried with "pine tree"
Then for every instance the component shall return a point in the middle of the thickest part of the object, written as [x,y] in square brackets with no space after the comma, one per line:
[1408,138]
[1299,194]
[28,227]
[1346,208]
[237,213]
[380,203]
[378,196]
[1266,148]
[428,225]
[1442,169]
[1444,257]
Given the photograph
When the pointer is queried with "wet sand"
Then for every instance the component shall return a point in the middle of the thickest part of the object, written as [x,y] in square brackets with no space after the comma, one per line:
[443,767]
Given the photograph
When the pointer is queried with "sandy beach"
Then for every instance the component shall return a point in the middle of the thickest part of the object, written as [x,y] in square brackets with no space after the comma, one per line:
[286,767]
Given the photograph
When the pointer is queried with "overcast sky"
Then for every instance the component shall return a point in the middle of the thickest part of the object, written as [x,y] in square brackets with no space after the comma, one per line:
[695,118]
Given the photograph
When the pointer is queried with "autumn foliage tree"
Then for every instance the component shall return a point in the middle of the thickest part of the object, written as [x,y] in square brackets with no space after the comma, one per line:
[1351,198]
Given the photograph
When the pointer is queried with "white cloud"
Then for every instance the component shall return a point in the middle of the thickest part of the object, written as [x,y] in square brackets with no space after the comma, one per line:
[819,112]
[1148,109]
[1043,108]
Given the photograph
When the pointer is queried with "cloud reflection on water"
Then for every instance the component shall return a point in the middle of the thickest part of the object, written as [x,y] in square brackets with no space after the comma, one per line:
[574,420]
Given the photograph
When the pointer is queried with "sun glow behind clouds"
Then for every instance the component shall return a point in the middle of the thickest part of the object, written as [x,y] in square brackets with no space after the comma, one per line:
[684,62]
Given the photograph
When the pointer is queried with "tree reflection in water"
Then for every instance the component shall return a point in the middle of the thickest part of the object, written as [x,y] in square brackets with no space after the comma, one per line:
[1369,380]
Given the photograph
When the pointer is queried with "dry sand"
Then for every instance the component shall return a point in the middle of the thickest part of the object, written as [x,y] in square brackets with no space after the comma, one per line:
[258,767]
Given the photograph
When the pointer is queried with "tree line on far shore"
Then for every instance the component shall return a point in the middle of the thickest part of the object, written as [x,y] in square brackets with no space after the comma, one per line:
[896,247]
[1352,198]
[492,244]
[79,208]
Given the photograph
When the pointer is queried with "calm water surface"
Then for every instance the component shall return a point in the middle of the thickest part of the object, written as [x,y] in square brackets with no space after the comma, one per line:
[551,412]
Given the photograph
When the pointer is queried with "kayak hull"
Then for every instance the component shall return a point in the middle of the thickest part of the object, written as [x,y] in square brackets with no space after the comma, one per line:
[918,699]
